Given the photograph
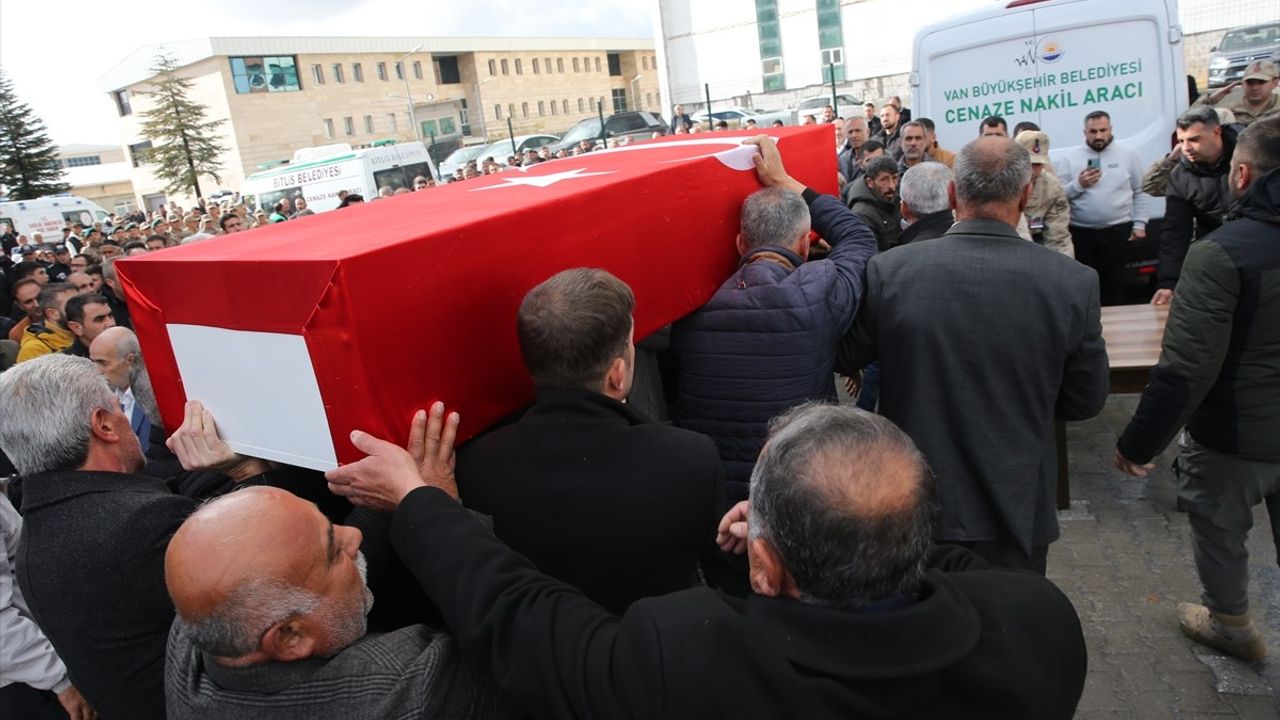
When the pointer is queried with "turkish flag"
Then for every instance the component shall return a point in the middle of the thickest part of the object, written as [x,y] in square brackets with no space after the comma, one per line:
[295,334]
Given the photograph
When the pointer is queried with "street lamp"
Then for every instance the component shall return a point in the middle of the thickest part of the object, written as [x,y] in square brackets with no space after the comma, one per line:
[635,90]
[404,74]
[484,133]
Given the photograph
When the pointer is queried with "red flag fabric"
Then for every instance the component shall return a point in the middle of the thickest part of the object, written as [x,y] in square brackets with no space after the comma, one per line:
[297,333]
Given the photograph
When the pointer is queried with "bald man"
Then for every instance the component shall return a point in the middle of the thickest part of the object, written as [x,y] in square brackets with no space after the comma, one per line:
[117,354]
[271,599]
[939,317]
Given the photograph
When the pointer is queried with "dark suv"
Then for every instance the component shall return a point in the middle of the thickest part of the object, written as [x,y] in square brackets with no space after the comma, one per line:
[637,125]
[1239,47]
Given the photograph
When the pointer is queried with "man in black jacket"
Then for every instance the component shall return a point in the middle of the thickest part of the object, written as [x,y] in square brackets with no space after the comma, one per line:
[1197,197]
[845,620]
[90,558]
[582,485]
[1218,376]
[1005,329]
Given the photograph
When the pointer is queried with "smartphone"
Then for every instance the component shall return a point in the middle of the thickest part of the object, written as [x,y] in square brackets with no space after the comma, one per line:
[1094,164]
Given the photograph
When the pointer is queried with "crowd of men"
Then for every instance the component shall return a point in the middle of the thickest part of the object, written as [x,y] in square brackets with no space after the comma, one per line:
[584,560]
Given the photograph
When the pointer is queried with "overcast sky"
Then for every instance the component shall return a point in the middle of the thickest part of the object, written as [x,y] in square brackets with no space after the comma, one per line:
[54,51]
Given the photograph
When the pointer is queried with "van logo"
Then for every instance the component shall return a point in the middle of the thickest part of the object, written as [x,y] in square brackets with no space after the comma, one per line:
[1049,50]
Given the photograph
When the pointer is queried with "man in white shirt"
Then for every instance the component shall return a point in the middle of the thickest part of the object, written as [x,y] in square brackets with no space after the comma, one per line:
[1103,181]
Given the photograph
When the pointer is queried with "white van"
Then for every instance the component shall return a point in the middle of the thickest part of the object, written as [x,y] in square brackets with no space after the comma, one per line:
[1052,62]
[320,173]
[48,215]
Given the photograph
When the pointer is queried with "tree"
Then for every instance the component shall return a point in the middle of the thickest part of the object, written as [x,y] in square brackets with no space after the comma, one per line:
[184,143]
[29,165]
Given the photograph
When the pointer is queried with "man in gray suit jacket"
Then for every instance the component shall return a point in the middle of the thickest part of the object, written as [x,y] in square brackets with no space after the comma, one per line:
[983,340]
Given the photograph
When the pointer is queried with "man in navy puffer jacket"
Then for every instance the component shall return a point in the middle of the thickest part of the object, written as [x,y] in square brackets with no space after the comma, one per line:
[766,341]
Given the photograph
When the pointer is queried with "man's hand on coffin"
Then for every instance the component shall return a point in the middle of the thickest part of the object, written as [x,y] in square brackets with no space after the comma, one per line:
[381,480]
[198,447]
[431,438]
[769,165]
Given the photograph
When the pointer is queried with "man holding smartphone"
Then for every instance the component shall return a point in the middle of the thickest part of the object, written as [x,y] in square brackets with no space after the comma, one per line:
[1109,210]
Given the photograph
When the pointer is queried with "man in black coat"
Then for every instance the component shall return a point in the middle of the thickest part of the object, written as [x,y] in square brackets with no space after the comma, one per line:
[1198,195]
[983,340]
[91,556]
[845,620]
[582,485]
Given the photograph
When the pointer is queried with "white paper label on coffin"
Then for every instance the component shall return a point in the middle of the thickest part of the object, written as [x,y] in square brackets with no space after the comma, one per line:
[261,388]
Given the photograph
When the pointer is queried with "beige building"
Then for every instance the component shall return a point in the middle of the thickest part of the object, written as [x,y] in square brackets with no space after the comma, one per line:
[280,94]
[99,173]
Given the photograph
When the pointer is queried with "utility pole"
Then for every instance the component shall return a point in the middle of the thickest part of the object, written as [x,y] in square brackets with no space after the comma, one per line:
[404,74]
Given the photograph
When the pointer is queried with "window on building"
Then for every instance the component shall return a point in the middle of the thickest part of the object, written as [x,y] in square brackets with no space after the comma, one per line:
[446,68]
[644,62]
[536,67]
[265,74]
[493,67]
[497,111]
[582,105]
[770,38]
[615,64]
[337,73]
[349,125]
[559,65]
[524,109]
[399,70]
[317,74]
[542,108]
[511,110]
[598,66]
[368,124]
[357,72]
[122,102]
[519,67]
[831,40]
[138,152]
[448,126]
[465,116]
[328,127]
[576,66]
[82,161]
[506,70]
[555,107]
[565,106]
[417,69]
[391,121]
[429,128]
[382,71]
[619,99]
[648,99]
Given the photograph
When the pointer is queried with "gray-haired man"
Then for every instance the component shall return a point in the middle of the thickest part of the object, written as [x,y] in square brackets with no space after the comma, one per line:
[847,610]
[985,319]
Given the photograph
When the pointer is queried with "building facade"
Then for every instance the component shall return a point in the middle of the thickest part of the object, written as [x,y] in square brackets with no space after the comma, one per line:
[277,95]
[99,173]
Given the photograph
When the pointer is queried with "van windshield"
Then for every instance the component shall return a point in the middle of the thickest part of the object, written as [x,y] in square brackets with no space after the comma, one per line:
[1245,38]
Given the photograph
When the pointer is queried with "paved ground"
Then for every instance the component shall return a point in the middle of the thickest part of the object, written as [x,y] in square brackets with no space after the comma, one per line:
[1125,560]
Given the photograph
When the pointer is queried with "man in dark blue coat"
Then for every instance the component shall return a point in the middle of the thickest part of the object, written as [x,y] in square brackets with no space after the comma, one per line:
[766,341]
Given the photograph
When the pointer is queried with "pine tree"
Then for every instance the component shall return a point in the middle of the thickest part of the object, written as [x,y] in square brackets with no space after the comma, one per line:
[28,158]
[184,145]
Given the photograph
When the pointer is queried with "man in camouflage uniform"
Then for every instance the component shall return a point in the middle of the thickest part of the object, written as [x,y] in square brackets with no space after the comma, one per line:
[1048,211]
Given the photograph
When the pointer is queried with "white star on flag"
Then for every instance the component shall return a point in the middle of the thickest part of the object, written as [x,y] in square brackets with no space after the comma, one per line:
[545,180]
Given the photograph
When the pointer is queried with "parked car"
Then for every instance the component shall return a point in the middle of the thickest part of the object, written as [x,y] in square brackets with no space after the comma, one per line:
[634,124]
[507,147]
[846,106]
[1239,47]
[460,157]
[735,116]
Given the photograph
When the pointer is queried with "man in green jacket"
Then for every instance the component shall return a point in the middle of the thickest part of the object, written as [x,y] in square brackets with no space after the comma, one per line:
[1219,374]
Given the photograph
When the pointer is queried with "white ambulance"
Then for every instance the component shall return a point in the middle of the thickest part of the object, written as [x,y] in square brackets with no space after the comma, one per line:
[318,174]
[48,215]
